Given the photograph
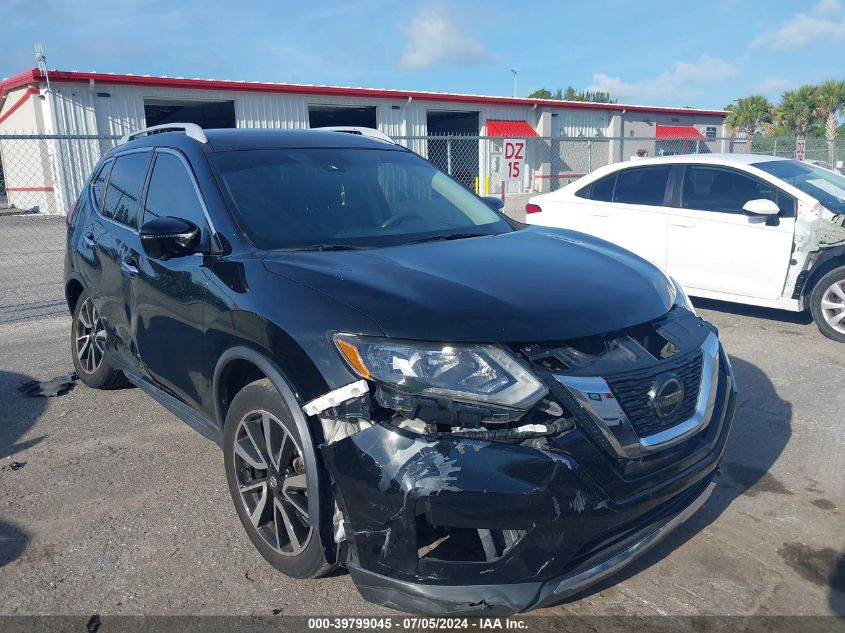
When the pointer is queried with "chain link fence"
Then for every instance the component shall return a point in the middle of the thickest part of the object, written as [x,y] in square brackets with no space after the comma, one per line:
[40,177]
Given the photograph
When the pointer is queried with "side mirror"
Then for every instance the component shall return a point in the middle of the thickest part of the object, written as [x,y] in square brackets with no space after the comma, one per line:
[168,237]
[761,206]
[494,202]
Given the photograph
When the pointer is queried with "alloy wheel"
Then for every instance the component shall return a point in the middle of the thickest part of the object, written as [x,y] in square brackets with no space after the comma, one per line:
[833,306]
[270,473]
[90,337]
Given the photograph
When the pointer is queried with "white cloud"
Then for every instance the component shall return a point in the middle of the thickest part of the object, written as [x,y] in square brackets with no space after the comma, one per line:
[679,85]
[434,39]
[774,86]
[824,24]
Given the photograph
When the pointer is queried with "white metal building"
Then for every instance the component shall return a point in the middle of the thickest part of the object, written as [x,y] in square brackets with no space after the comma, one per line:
[101,104]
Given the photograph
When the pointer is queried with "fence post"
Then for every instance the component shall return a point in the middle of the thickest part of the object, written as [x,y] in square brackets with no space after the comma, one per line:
[589,155]
[449,156]
[697,146]
[775,150]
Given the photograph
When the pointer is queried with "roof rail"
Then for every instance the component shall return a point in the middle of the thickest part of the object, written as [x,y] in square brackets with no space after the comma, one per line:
[191,130]
[360,131]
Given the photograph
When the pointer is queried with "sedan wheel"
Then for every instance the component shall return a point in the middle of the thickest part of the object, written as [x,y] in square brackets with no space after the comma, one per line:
[833,306]
[270,472]
[827,304]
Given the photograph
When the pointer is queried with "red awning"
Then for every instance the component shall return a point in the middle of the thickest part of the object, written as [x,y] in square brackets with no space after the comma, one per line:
[678,131]
[516,129]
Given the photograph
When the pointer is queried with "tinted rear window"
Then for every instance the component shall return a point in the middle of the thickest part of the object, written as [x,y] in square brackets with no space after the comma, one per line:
[642,185]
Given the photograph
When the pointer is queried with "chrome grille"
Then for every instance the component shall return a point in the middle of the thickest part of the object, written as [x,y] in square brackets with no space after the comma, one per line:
[632,393]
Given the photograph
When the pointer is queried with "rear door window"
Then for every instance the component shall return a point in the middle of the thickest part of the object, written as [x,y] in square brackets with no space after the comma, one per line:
[726,190]
[124,189]
[642,185]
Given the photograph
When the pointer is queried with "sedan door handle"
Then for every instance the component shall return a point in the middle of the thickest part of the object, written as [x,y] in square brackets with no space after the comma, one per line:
[600,215]
[682,226]
[88,238]
[129,266]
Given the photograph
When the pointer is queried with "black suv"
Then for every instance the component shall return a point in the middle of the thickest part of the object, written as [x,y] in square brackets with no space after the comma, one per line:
[469,414]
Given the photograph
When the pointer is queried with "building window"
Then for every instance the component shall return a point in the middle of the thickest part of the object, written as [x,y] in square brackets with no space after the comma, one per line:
[206,114]
[327,116]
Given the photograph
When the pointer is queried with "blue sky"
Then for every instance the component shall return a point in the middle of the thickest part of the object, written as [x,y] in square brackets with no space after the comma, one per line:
[701,54]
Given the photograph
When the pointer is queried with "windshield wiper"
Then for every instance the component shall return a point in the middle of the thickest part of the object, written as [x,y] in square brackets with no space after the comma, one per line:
[452,236]
[328,247]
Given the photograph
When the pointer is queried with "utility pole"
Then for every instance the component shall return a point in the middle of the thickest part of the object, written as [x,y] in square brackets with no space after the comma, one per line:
[513,70]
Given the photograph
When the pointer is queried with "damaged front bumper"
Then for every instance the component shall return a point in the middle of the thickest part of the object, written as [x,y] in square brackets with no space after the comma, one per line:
[506,599]
[449,524]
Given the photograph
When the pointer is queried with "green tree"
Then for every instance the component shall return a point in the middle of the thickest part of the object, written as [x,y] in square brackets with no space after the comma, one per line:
[798,110]
[572,94]
[748,115]
[541,93]
[830,98]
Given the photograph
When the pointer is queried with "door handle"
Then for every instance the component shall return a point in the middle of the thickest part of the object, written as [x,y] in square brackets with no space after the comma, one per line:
[682,226]
[88,238]
[600,215]
[129,266]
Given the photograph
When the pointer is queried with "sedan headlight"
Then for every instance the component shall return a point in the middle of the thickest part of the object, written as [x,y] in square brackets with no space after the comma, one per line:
[681,298]
[480,373]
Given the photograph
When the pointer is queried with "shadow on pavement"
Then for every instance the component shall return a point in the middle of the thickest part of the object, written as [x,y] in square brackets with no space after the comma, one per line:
[18,415]
[761,430]
[741,309]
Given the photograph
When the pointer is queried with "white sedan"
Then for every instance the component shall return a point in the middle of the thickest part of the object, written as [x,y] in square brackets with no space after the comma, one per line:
[752,229]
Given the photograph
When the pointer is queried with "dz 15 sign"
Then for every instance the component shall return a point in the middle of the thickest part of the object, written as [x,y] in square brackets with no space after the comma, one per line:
[513,159]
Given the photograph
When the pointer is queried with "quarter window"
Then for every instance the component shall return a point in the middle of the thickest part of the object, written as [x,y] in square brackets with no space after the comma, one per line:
[99,184]
[727,190]
[171,192]
[124,189]
[642,185]
[601,190]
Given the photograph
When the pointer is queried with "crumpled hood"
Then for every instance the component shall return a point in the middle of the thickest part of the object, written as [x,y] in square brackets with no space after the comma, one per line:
[534,284]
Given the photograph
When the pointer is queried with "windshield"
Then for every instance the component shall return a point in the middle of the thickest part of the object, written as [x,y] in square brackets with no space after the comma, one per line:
[825,186]
[300,198]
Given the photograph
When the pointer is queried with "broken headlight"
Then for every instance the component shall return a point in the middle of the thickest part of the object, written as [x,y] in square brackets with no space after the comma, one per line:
[479,373]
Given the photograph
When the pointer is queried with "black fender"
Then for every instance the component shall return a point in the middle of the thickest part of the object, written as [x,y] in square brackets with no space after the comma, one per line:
[68,279]
[275,376]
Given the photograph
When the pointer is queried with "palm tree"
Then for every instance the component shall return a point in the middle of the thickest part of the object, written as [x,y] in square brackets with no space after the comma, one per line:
[798,110]
[830,98]
[748,114]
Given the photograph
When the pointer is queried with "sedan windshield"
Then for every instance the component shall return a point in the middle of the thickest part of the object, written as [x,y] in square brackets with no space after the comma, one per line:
[329,199]
[825,186]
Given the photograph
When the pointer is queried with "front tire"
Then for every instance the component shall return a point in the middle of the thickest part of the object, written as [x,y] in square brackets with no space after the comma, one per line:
[265,470]
[827,304]
[87,347]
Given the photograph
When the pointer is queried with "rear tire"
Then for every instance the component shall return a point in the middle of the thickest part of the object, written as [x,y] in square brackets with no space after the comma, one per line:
[827,304]
[87,347]
[269,487]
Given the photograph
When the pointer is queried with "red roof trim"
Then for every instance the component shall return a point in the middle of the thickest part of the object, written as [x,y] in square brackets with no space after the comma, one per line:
[17,104]
[22,79]
[247,86]
[677,131]
[517,129]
